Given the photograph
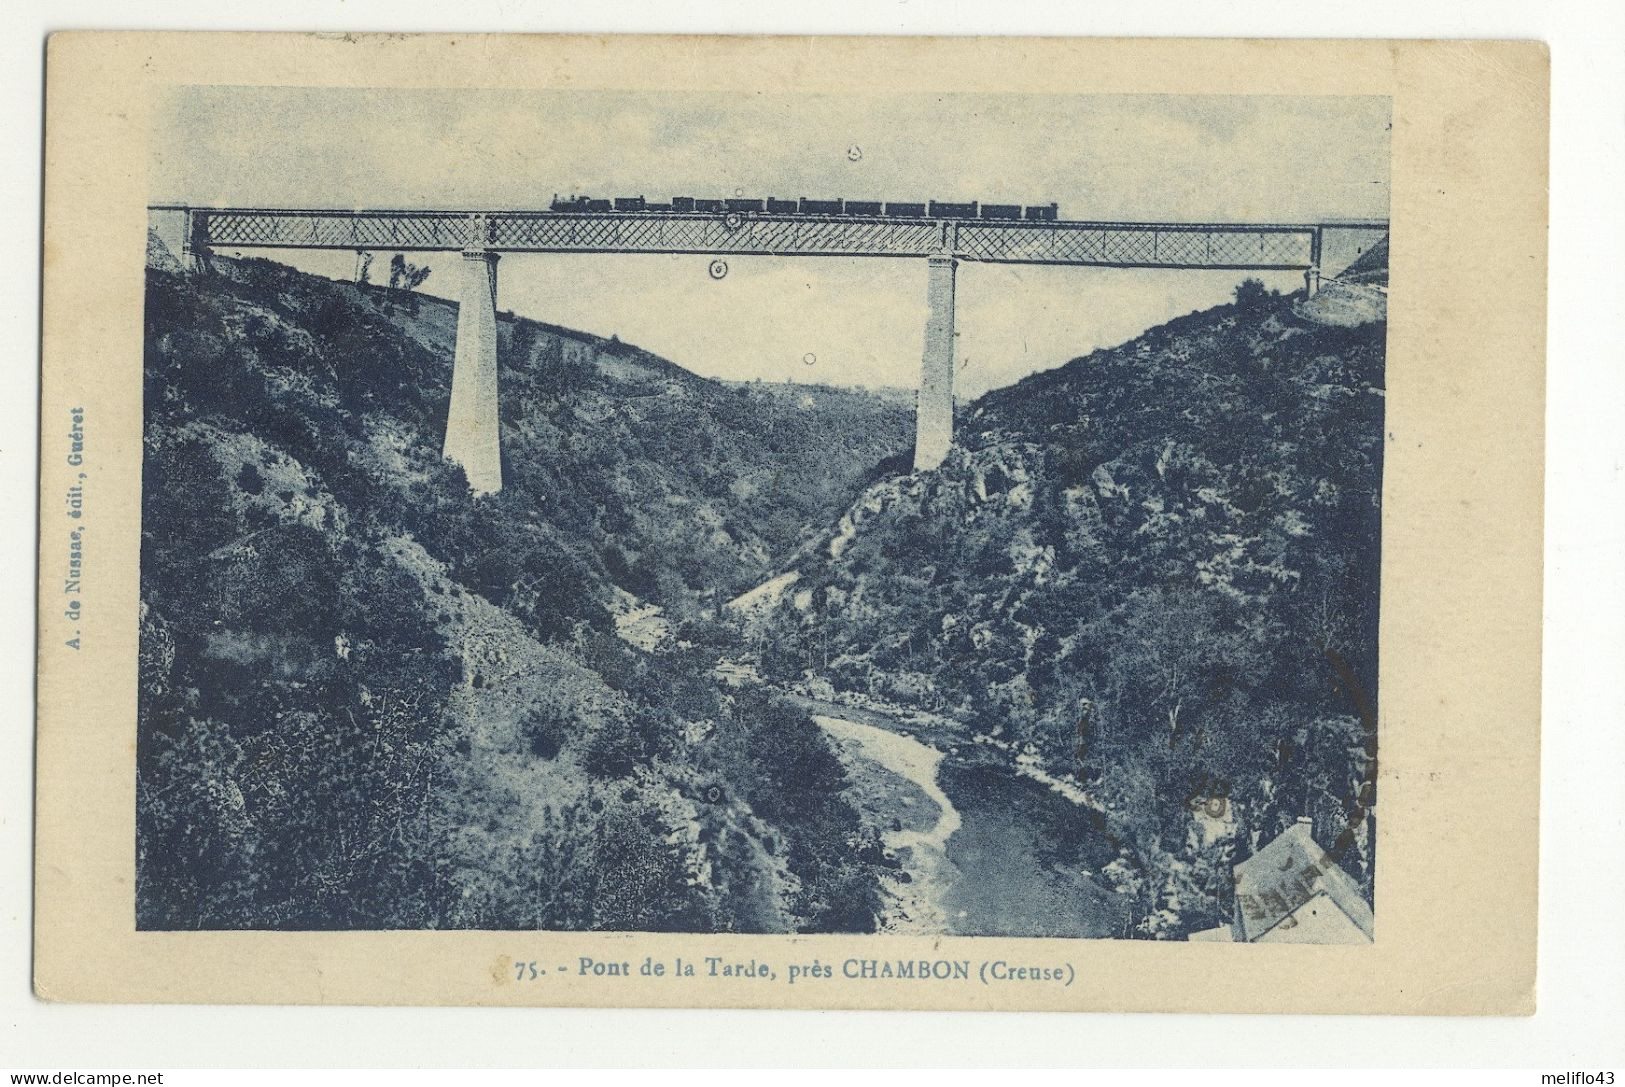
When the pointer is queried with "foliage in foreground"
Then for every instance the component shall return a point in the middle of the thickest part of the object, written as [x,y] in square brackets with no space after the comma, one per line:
[370,701]
[1156,568]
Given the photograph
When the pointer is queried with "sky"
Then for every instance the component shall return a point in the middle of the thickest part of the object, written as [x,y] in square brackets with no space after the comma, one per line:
[816,319]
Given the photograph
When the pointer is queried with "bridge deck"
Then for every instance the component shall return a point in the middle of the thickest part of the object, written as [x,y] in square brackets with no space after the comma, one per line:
[1250,246]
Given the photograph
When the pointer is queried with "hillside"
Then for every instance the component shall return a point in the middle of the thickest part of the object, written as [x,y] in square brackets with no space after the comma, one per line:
[1154,568]
[368,700]
[808,393]
[1123,635]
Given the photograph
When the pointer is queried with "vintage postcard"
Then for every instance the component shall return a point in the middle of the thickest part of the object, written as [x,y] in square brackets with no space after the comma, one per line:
[925,523]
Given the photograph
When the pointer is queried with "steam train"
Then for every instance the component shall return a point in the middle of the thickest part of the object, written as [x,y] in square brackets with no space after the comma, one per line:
[935,209]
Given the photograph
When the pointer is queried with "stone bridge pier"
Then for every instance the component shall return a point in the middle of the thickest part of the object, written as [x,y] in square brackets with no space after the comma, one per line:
[934,403]
[473,425]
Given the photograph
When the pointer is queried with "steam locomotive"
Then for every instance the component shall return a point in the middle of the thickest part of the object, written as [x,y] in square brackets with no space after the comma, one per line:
[935,209]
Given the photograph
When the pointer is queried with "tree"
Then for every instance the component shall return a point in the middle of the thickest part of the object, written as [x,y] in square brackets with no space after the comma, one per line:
[1252,294]
[406,275]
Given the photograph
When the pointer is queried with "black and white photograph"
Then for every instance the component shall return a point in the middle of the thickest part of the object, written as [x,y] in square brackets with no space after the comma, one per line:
[924,514]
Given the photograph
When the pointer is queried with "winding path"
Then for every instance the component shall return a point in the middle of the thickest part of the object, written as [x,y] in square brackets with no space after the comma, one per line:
[908,758]
[917,900]
[984,866]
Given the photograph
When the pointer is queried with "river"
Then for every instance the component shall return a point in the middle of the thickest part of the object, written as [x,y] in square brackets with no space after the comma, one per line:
[980,850]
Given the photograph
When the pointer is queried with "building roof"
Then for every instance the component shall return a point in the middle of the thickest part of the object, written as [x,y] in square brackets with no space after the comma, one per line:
[1274,882]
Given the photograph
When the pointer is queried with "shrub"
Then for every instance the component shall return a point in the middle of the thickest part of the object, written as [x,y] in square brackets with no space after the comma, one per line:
[405,275]
[1251,294]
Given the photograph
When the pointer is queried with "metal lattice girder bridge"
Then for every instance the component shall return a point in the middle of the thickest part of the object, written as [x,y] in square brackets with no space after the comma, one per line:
[1250,246]
[472,429]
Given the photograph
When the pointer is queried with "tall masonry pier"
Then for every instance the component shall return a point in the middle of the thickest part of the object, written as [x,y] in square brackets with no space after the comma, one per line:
[473,426]
[941,235]
[934,404]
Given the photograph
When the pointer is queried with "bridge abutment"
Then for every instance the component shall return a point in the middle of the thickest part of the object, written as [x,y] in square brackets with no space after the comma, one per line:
[1311,274]
[934,404]
[176,228]
[473,428]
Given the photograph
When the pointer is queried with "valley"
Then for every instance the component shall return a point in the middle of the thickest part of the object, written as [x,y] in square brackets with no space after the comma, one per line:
[715,659]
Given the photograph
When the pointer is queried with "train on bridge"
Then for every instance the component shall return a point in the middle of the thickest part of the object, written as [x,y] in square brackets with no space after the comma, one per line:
[933,209]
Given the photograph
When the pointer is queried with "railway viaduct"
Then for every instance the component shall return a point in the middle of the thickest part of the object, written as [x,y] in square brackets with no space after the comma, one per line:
[472,427]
